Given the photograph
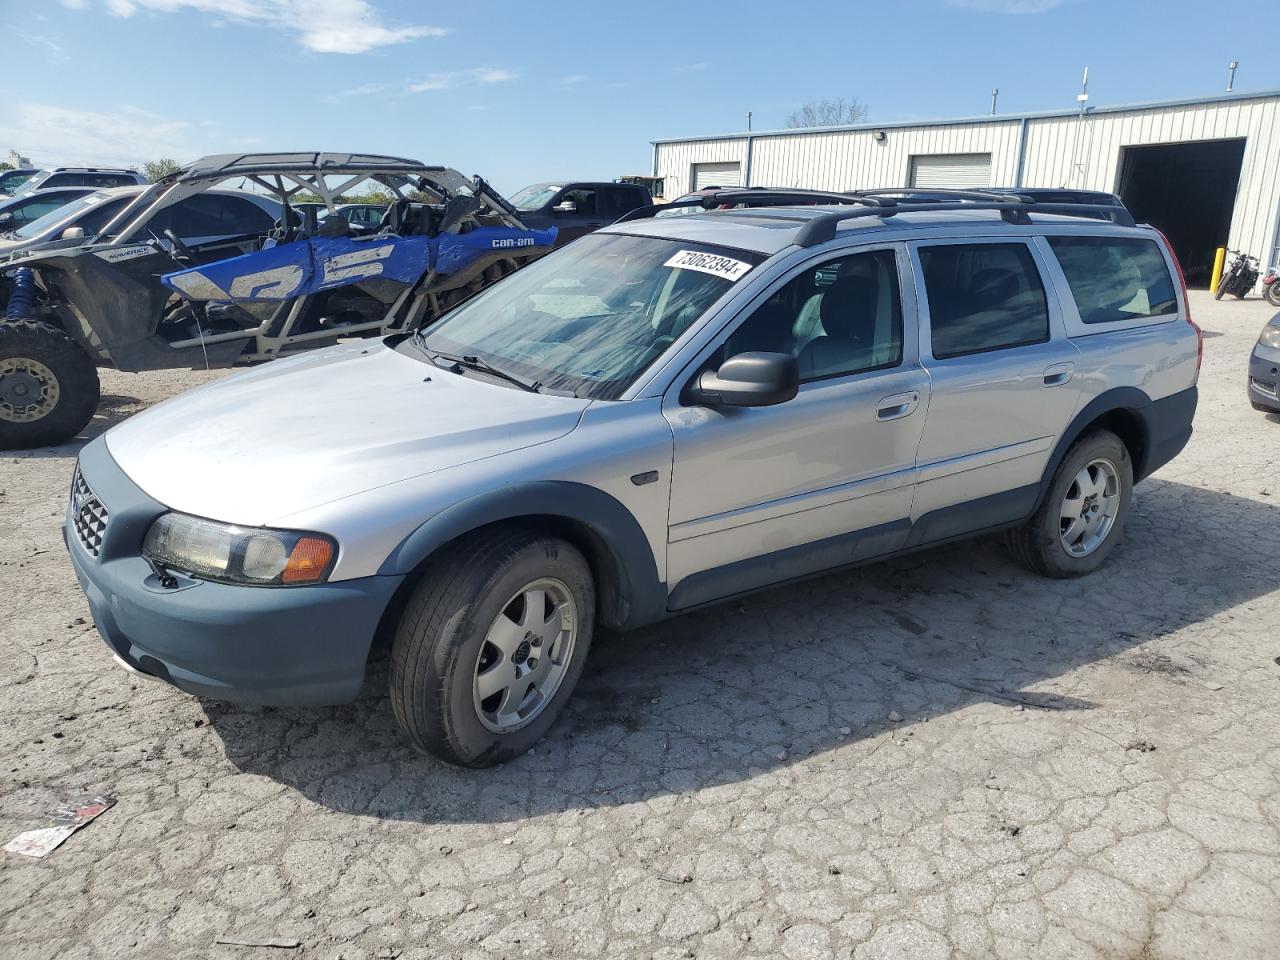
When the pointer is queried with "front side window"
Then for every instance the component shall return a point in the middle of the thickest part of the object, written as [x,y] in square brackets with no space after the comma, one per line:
[983,296]
[584,200]
[839,318]
[591,317]
[11,180]
[1116,278]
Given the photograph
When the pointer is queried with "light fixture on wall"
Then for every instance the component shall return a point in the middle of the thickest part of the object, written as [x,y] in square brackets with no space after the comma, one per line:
[878,136]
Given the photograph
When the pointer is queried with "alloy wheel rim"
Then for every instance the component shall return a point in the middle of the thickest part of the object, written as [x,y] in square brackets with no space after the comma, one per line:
[525,655]
[28,390]
[1089,508]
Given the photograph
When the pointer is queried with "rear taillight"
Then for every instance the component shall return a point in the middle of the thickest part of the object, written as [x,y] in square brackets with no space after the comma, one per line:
[1186,301]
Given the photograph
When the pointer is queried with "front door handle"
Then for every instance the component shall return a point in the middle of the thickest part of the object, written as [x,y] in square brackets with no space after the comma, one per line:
[898,406]
[1055,375]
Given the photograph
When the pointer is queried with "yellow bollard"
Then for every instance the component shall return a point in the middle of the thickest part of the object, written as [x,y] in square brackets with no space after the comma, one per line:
[1218,259]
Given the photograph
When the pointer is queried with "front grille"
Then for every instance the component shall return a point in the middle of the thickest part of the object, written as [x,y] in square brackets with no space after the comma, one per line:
[1264,386]
[88,515]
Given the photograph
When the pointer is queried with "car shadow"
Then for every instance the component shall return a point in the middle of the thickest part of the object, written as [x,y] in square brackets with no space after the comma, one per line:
[112,409]
[736,690]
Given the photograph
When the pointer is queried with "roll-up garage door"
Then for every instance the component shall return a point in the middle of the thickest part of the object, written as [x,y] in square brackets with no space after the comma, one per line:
[716,175]
[958,170]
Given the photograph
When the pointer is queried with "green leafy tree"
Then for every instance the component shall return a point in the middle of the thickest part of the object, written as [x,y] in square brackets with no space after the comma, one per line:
[5,166]
[157,169]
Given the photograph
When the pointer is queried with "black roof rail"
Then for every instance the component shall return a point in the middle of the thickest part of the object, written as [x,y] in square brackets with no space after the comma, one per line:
[753,197]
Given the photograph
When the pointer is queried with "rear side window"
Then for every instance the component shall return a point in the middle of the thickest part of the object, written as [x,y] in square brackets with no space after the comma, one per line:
[984,296]
[1116,278]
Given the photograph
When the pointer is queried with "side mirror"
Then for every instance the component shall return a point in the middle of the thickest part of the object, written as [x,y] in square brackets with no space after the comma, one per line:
[73,233]
[6,218]
[749,380]
[565,206]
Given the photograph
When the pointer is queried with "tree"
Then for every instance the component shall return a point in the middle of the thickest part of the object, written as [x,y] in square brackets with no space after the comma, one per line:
[157,169]
[829,113]
[5,166]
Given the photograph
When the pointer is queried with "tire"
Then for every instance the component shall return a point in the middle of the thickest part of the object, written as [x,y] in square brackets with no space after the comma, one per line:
[40,363]
[442,648]
[1271,292]
[1040,543]
[1222,287]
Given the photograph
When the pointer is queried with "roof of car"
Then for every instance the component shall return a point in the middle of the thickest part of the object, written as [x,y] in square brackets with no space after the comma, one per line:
[769,230]
[246,164]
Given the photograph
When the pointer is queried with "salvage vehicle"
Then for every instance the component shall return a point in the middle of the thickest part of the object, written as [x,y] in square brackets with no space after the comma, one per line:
[1264,369]
[17,212]
[187,275]
[99,177]
[665,414]
[575,207]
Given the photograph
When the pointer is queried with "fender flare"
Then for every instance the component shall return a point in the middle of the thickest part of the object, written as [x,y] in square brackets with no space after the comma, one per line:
[1129,399]
[639,595]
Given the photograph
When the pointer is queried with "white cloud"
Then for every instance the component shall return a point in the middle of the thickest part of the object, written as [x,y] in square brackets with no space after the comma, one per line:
[55,52]
[331,26]
[479,76]
[123,137]
[1007,6]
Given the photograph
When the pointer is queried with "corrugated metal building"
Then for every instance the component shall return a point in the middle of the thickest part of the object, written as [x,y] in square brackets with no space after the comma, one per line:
[1206,171]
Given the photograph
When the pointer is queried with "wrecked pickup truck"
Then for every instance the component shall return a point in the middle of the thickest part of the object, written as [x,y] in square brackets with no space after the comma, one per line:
[142,295]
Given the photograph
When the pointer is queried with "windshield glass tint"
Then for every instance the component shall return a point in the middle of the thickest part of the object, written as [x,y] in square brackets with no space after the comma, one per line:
[36,227]
[591,317]
[534,197]
[12,179]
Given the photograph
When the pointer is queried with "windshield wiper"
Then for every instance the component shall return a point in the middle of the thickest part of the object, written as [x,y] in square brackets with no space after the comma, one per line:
[472,362]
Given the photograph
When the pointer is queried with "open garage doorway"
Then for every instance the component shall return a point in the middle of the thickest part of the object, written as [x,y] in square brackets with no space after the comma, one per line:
[1186,190]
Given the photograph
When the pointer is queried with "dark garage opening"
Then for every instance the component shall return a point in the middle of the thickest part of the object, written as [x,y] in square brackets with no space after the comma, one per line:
[1187,191]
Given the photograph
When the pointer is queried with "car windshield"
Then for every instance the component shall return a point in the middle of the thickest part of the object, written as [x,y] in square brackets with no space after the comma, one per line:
[534,197]
[10,180]
[54,217]
[591,317]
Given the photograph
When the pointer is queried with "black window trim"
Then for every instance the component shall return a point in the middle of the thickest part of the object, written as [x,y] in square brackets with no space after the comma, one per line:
[922,289]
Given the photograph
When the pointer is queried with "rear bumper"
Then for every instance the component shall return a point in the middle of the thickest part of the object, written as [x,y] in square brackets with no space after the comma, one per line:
[286,646]
[1168,424]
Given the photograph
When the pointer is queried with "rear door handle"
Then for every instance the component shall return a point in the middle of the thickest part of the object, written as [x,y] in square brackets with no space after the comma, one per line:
[1055,375]
[898,406]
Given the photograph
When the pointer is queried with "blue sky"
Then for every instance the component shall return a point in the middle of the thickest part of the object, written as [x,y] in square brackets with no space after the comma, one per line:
[525,91]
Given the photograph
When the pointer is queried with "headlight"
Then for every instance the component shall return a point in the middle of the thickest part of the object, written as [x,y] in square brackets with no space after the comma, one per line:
[221,551]
[1270,335]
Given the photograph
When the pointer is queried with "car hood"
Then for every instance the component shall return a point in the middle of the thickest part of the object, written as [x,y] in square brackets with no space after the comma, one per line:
[308,430]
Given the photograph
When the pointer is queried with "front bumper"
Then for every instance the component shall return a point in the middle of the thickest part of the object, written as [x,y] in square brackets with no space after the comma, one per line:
[1264,377]
[282,646]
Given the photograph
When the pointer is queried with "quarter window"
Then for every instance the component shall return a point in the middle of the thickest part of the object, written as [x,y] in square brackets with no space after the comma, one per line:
[985,296]
[840,318]
[1116,278]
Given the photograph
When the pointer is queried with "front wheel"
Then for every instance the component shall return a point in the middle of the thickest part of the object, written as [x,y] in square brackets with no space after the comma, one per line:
[1083,515]
[491,644]
[1272,293]
[48,386]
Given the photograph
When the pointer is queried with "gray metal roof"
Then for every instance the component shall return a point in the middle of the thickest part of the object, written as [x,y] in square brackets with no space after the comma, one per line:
[986,118]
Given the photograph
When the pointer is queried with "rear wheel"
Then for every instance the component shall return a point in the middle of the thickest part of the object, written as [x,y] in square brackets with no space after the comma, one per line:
[491,645]
[1272,293]
[48,386]
[1084,513]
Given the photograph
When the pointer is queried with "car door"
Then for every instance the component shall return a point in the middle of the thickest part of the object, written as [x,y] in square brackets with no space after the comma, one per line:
[1003,384]
[760,495]
[585,217]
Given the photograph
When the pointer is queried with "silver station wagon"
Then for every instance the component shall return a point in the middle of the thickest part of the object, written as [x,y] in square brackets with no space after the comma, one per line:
[661,415]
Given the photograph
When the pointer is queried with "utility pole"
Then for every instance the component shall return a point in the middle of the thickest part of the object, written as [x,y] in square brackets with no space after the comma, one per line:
[1231,74]
[1082,97]
[995,94]
[748,121]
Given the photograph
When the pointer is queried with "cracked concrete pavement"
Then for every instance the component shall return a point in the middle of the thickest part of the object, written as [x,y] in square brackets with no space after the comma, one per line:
[942,756]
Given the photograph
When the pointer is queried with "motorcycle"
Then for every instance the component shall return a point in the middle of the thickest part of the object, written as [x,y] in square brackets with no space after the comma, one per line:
[1239,278]
[1271,286]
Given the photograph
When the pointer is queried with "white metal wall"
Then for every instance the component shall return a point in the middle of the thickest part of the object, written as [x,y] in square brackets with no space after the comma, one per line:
[1059,151]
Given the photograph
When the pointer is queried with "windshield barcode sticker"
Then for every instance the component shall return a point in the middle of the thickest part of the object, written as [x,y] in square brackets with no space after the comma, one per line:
[711,263]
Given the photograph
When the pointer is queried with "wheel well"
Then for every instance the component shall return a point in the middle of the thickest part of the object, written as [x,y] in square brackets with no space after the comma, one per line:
[611,602]
[1132,431]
